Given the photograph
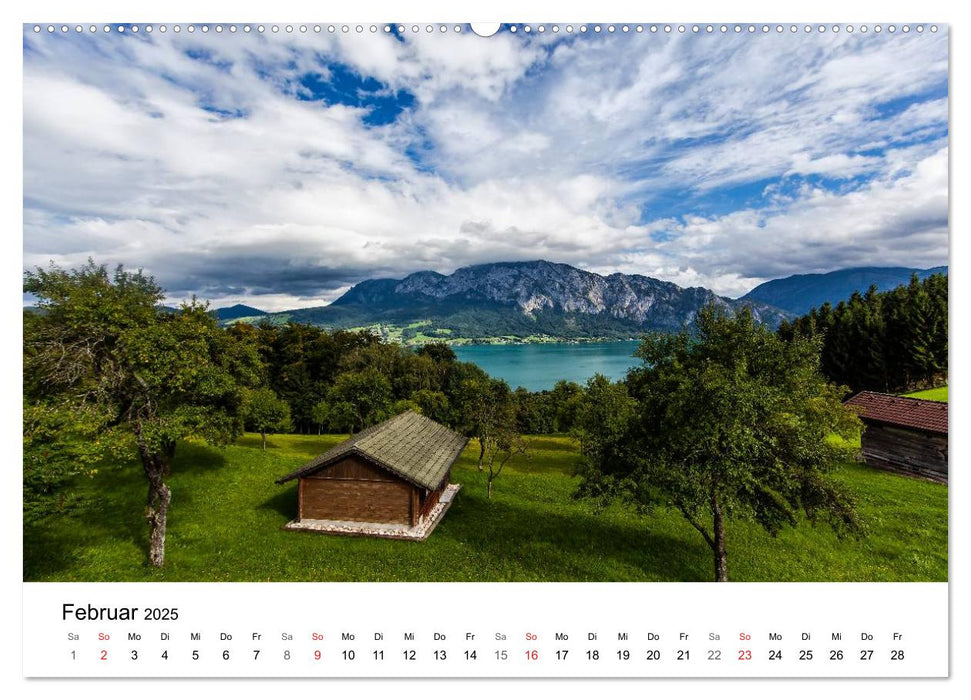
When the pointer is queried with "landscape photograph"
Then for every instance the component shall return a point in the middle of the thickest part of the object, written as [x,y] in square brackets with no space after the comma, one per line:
[571,302]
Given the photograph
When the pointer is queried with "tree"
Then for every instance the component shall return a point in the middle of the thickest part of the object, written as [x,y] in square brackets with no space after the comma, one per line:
[263,411]
[433,404]
[501,444]
[99,346]
[413,373]
[487,407]
[731,422]
[565,399]
[303,361]
[439,352]
[601,425]
[402,405]
[534,411]
[320,414]
[359,399]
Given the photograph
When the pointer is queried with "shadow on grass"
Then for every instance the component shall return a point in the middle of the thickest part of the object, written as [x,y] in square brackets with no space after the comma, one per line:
[506,540]
[53,546]
[197,458]
[578,546]
[113,511]
[283,503]
[48,553]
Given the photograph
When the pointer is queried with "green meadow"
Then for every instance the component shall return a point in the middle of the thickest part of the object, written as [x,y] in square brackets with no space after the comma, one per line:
[226,519]
[937,394]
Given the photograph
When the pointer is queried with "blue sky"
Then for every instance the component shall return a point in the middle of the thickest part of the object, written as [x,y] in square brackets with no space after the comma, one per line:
[279,169]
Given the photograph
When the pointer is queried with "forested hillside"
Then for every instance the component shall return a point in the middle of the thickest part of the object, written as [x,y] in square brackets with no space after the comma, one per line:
[890,341]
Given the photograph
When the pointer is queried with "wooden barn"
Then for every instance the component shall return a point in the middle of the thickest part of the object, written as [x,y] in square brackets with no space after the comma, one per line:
[903,434]
[390,480]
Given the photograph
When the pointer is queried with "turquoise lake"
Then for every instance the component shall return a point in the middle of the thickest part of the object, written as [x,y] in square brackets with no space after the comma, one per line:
[540,366]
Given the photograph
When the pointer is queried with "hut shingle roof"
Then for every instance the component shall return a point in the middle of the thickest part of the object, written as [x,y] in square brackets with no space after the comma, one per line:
[921,414]
[410,445]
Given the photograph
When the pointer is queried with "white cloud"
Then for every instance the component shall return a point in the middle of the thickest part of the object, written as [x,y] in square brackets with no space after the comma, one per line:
[210,173]
[900,221]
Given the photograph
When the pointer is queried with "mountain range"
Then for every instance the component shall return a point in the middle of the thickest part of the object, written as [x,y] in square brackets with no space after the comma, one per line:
[529,299]
[535,289]
[519,299]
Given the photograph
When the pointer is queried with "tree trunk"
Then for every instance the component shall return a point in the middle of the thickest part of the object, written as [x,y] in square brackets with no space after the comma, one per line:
[263,435]
[482,455]
[718,545]
[489,489]
[159,496]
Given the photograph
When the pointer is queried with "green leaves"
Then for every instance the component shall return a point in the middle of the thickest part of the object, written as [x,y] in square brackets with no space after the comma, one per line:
[603,421]
[102,366]
[61,444]
[264,412]
[359,399]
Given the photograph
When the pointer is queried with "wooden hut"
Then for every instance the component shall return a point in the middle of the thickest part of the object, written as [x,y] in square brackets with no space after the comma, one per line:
[903,434]
[392,480]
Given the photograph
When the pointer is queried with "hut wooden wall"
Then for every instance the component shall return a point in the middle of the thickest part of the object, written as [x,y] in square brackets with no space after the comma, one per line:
[358,501]
[354,490]
[907,451]
[430,502]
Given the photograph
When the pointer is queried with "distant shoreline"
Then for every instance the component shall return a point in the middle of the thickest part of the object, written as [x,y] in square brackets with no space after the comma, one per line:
[393,334]
[545,340]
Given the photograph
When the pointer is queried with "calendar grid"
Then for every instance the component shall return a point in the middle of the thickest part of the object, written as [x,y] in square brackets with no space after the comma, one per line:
[519,630]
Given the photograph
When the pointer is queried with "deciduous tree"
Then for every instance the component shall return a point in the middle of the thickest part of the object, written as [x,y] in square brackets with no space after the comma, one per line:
[263,411]
[359,399]
[501,444]
[731,423]
[320,414]
[487,407]
[99,345]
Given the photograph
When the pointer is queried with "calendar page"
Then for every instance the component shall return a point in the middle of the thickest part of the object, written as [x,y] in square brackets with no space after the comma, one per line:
[424,349]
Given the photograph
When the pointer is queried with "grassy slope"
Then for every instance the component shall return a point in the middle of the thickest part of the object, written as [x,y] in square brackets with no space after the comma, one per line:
[226,518]
[938,394]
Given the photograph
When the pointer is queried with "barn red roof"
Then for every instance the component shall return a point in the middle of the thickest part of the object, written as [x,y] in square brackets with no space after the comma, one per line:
[930,416]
